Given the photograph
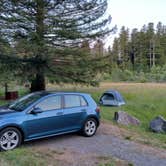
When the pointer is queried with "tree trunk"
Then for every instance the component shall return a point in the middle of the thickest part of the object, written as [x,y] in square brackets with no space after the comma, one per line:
[6,88]
[38,84]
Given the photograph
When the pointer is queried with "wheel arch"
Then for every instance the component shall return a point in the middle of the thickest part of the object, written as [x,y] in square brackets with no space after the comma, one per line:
[14,126]
[93,117]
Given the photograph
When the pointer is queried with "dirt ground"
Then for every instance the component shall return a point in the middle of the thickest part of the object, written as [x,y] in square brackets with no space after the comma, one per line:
[107,146]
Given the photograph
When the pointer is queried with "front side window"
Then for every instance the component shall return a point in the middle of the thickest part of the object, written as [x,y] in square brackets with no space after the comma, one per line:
[50,103]
[24,102]
[74,101]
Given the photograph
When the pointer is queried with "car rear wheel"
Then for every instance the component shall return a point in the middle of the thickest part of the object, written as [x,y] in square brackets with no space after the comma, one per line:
[90,127]
[10,138]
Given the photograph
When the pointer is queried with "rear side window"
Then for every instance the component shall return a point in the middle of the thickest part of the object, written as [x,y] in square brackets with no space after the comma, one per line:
[83,101]
[74,101]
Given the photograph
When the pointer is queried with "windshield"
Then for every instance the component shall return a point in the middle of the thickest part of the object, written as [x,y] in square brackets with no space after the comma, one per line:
[24,102]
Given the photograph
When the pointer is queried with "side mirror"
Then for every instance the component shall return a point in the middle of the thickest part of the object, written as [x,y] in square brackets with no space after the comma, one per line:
[36,111]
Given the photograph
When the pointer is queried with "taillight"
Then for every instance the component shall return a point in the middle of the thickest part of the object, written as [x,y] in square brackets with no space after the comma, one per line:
[98,109]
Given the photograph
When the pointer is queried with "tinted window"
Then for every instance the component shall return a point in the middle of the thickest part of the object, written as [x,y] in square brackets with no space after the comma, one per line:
[74,101]
[83,101]
[50,103]
[24,102]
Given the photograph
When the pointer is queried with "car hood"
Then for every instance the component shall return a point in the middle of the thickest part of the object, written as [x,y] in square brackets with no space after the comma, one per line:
[6,111]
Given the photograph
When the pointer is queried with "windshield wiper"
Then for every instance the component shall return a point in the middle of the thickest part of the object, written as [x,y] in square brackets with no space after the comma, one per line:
[15,109]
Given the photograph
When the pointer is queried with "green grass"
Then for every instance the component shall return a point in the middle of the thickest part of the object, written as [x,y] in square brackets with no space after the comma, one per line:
[143,101]
[24,157]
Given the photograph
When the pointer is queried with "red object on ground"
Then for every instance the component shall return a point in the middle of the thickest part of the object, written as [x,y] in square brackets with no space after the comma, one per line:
[11,95]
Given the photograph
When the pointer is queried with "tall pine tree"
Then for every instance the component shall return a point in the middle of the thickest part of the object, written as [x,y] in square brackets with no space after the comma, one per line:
[43,33]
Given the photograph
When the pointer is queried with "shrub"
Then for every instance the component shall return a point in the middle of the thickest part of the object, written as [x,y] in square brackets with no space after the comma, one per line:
[122,75]
[156,74]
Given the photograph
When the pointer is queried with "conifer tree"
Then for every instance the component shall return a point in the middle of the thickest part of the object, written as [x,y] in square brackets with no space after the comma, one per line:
[46,36]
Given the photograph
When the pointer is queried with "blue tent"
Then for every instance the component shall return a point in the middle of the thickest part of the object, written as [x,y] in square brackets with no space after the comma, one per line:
[112,98]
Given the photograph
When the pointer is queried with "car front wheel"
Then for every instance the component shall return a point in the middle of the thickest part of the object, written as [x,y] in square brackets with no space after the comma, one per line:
[90,127]
[10,138]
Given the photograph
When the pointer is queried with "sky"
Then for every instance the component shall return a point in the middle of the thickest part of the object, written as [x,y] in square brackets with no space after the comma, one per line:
[136,13]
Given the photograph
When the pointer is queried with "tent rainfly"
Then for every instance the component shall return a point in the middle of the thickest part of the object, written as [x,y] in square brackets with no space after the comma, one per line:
[112,98]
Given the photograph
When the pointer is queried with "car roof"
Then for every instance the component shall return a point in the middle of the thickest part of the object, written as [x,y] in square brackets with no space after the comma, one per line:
[45,93]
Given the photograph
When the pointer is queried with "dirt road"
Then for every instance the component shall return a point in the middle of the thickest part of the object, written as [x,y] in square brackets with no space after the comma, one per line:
[75,150]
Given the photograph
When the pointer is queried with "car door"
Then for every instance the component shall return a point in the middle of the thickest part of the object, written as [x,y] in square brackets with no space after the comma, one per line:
[49,121]
[75,110]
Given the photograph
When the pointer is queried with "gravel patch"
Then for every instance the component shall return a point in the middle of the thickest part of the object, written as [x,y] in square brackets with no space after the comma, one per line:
[81,151]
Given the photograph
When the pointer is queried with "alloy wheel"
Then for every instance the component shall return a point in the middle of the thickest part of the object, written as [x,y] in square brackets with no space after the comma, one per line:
[90,127]
[9,140]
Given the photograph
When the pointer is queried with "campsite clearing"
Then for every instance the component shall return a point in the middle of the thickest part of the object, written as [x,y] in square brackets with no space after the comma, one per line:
[144,101]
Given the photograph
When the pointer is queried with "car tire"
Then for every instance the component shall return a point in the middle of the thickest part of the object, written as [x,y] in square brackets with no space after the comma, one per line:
[90,127]
[10,138]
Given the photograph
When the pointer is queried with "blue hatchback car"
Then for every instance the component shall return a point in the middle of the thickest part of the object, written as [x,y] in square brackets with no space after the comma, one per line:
[43,114]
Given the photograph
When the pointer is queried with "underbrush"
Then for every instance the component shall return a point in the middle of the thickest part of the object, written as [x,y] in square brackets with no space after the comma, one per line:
[156,74]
